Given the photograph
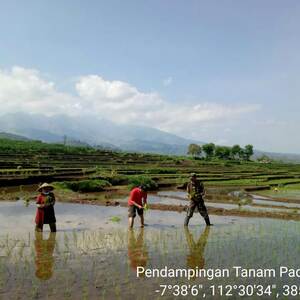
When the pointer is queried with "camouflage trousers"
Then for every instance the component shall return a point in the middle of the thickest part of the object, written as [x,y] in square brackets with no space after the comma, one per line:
[199,204]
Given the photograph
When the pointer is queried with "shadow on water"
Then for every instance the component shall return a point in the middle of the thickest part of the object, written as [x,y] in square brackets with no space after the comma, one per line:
[195,258]
[137,250]
[101,263]
[44,259]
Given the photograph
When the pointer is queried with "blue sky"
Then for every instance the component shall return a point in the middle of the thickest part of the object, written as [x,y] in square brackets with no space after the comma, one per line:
[238,61]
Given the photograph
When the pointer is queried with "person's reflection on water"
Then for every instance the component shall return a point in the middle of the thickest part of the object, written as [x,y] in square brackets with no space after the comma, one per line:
[195,258]
[137,251]
[44,259]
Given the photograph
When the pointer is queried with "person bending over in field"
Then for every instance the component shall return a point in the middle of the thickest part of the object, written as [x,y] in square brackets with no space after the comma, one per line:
[45,208]
[196,192]
[136,202]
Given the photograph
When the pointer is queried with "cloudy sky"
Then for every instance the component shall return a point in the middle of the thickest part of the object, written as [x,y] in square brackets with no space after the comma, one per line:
[217,71]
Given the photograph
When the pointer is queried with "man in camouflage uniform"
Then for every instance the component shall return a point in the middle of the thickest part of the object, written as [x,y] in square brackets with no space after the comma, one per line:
[196,192]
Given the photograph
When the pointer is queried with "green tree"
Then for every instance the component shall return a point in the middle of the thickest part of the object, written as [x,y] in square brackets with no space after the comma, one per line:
[223,152]
[236,151]
[209,150]
[194,150]
[248,152]
[242,154]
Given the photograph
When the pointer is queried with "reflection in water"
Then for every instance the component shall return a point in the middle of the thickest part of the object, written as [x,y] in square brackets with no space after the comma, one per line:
[94,262]
[195,259]
[44,255]
[137,251]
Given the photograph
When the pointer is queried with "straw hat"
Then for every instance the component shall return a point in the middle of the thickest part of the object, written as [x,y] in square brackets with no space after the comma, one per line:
[45,185]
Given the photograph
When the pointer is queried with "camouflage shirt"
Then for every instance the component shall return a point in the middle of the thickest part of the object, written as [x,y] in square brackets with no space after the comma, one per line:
[195,190]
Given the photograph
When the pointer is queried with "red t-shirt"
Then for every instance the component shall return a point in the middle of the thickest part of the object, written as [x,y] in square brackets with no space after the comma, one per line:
[137,196]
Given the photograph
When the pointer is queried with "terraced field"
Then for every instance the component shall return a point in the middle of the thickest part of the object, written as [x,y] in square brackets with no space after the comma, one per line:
[255,209]
[111,174]
[24,168]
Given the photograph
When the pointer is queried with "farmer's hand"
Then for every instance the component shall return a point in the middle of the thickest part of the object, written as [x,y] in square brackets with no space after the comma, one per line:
[141,207]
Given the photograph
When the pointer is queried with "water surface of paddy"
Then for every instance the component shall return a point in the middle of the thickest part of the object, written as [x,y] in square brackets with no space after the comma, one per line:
[92,257]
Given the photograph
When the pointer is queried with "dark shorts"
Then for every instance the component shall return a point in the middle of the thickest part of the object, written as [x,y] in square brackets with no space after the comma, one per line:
[132,209]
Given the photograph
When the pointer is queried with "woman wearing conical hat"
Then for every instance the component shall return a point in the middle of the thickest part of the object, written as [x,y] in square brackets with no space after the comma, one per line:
[45,208]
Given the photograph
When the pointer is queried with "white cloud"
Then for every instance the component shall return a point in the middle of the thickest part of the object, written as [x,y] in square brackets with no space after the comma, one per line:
[26,90]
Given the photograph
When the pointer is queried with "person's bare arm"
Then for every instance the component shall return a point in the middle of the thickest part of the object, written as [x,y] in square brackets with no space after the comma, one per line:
[145,199]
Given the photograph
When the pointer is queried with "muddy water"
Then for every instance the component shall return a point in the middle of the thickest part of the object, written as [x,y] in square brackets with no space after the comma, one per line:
[156,198]
[267,201]
[17,218]
[94,257]
[238,200]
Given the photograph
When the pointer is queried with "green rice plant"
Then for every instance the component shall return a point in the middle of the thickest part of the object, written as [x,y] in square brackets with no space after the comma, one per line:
[115,219]
[84,186]
[117,179]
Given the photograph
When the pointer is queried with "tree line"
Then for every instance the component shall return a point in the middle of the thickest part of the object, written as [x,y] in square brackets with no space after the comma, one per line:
[210,151]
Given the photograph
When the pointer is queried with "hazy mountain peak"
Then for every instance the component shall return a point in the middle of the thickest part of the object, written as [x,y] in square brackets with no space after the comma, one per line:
[93,130]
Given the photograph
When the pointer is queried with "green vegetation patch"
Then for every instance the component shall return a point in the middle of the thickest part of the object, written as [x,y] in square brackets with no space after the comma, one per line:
[117,179]
[84,186]
[115,219]
[150,184]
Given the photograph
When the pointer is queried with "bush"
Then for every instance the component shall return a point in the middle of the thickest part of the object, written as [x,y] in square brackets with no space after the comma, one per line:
[150,184]
[117,179]
[113,180]
[84,186]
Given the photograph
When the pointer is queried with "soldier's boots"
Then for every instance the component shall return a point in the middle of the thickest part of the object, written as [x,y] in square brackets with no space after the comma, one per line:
[207,221]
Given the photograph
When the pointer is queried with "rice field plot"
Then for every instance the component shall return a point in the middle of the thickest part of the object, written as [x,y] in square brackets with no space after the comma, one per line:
[102,263]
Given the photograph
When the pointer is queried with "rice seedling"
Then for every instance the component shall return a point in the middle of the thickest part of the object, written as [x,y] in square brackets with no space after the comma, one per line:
[90,258]
[115,219]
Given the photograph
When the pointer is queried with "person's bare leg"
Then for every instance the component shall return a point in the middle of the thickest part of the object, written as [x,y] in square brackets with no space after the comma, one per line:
[142,220]
[130,222]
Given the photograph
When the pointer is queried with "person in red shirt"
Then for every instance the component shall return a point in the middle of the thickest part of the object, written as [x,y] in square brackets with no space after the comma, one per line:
[45,208]
[136,202]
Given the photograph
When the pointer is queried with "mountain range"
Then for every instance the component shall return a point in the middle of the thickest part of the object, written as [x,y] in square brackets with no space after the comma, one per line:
[102,133]
[95,132]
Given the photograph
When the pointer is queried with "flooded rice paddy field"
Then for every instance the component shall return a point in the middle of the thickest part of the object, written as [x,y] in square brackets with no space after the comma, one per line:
[286,193]
[227,198]
[94,256]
